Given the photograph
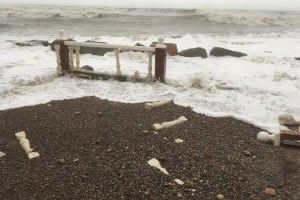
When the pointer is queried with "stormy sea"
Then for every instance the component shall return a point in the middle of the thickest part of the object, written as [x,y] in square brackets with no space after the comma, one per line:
[255,88]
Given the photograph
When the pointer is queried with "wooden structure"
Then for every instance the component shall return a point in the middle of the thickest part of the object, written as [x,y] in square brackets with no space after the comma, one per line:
[290,137]
[66,49]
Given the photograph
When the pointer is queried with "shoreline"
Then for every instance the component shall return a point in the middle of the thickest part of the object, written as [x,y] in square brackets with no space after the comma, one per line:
[105,148]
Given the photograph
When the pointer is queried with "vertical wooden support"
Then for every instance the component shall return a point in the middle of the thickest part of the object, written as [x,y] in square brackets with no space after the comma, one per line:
[58,61]
[71,57]
[149,75]
[160,64]
[77,49]
[118,65]
[64,55]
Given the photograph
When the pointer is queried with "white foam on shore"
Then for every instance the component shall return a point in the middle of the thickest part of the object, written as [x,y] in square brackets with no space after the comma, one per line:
[254,89]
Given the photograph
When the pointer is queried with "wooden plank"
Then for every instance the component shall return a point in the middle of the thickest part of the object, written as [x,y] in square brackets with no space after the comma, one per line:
[290,135]
[109,46]
[102,76]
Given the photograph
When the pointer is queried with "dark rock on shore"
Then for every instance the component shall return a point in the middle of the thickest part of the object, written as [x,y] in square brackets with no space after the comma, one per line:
[31,43]
[87,67]
[171,48]
[219,52]
[297,58]
[104,156]
[194,52]
[95,51]
[139,45]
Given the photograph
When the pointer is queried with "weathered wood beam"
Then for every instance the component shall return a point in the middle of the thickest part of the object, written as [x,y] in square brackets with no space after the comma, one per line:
[109,46]
[102,76]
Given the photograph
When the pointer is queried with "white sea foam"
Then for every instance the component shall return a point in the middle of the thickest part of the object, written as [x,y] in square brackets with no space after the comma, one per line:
[255,89]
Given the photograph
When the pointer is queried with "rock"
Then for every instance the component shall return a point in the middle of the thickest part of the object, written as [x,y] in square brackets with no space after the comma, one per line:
[33,43]
[171,48]
[247,153]
[179,182]
[61,161]
[139,45]
[219,52]
[87,67]
[145,131]
[178,141]
[220,196]
[179,195]
[270,191]
[100,113]
[297,58]
[78,112]
[194,52]
[2,154]
[95,51]
[287,119]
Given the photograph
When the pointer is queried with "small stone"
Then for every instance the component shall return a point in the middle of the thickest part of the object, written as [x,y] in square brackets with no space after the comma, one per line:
[270,191]
[178,141]
[179,182]
[78,113]
[179,195]
[165,138]
[100,113]
[247,153]
[220,196]
[61,161]
[140,125]
[145,131]
[2,154]
[76,160]
[155,132]
[108,150]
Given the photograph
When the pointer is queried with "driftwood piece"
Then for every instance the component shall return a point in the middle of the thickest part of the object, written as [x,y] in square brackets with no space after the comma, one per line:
[164,125]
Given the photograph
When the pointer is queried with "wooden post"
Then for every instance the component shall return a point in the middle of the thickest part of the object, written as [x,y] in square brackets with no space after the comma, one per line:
[160,64]
[64,56]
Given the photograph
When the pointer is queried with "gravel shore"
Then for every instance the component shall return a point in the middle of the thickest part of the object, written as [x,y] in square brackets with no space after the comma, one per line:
[97,149]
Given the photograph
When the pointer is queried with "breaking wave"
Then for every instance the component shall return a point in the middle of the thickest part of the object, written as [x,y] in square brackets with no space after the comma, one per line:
[248,18]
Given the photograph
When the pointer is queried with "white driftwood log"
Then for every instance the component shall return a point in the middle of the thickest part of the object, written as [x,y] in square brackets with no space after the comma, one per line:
[150,106]
[287,119]
[155,163]
[266,137]
[164,125]
[179,182]
[24,142]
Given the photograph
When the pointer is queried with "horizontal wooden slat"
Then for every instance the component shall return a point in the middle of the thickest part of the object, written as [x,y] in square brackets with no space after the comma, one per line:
[102,76]
[109,46]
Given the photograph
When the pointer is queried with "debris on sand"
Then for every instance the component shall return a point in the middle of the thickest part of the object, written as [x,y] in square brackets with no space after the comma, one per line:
[155,163]
[164,125]
[150,106]
[179,182]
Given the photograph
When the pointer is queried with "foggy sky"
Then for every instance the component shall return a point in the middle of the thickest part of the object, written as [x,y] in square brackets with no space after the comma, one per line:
[206,4]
